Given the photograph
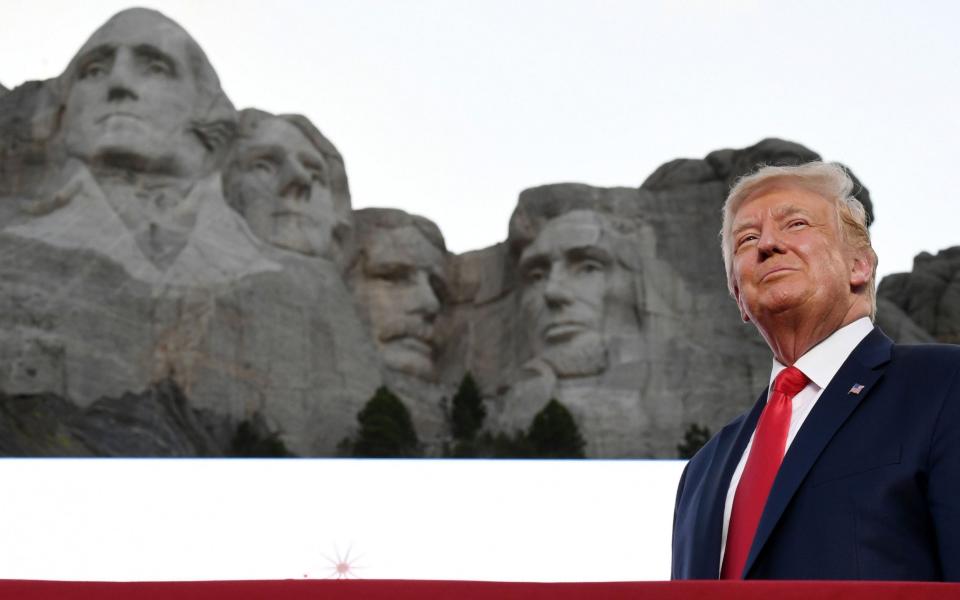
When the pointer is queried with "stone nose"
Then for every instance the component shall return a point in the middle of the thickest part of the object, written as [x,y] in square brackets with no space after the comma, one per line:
[424,301]
[117,93]
[294,180]
[556,290]
[121,84]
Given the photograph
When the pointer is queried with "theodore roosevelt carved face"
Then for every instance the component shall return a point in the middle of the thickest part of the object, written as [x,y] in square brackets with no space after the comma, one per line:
[398,280]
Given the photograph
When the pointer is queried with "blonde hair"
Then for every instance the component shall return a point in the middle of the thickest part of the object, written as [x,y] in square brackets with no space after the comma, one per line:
[829,181]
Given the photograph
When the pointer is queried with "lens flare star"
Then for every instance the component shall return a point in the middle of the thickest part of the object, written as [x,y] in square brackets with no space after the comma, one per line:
[343,566]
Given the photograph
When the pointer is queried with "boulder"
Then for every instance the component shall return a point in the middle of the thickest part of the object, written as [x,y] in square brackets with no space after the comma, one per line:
[930,294]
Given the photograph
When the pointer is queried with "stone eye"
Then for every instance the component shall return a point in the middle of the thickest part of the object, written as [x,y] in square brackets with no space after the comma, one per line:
[263,165]
[158,67]
[92,70]
[396,275]
[589,266]
[535,275]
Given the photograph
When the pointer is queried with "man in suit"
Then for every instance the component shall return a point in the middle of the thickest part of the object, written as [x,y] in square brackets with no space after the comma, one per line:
[849,468]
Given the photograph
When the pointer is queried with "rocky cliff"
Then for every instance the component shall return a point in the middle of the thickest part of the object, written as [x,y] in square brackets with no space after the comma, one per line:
[182,278]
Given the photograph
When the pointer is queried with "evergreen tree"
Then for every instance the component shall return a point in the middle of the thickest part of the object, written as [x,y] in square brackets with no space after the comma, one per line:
[386,429]
[467,415]
[249,440]
[693,439]
[554,434]
[252,439]
[504,445]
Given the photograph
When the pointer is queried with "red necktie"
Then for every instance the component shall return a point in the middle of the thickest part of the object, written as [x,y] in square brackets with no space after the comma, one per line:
[766,453]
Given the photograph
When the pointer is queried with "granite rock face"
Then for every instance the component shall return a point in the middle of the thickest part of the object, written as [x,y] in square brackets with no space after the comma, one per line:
[399,279]
[123,262]
[180,278]
[289,183]
[155,422]
[614,302]
[930,294]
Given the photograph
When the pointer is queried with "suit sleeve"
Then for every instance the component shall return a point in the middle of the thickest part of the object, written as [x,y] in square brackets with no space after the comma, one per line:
[944,483]
[674,566]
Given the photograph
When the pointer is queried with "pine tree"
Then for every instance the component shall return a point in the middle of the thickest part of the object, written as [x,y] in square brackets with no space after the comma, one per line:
[693,439]
[386,429]
[554,434]
[252,439]
[468,412]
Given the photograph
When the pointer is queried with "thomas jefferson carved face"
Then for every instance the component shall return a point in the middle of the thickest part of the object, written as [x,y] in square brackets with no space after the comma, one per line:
[400,284]
[132,95]
[575,293]
[280,183]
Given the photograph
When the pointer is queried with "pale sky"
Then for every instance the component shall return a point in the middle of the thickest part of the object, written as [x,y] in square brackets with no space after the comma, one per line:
[450,108]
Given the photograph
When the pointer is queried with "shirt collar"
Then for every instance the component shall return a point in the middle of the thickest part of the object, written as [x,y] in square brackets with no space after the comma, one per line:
[822,362]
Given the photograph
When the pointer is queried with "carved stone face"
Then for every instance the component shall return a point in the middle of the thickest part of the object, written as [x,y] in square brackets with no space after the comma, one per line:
[133,95]
[280,183]
[400,284]
[575,294]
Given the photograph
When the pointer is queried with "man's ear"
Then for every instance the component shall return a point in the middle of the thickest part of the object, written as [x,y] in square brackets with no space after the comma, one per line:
[743,312]
[861,269]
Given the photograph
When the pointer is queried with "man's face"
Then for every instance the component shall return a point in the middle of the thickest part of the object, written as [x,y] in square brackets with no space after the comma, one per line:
[401,285]
[282,182]
[789,253]
[133,95]
[575,293]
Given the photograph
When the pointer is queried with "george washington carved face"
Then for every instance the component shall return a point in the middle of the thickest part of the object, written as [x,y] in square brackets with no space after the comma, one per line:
[132,94]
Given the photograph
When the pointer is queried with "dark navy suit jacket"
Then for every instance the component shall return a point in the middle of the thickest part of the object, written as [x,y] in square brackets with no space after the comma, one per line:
[869,488]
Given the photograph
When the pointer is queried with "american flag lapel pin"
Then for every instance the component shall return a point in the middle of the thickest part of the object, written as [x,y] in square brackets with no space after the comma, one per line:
[856,389]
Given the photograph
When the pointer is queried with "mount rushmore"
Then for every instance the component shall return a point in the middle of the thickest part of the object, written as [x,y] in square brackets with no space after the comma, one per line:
[174,271]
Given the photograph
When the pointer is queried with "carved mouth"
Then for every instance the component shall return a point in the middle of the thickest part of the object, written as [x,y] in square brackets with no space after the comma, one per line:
[123,115]
[562,330]
[413,344]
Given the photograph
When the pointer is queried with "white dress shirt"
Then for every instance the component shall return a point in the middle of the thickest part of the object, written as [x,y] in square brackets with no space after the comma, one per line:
[819,364]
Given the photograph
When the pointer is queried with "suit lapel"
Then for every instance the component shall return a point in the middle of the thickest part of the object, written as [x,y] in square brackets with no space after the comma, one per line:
[710,521]
[862,368]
